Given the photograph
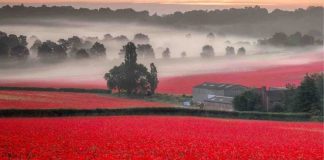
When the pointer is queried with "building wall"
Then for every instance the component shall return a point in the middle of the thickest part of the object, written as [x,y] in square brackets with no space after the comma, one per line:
[218,106]
[233,92]
[199,95]
[270,97]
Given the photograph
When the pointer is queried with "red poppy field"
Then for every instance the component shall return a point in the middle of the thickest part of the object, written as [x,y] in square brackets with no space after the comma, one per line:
[277,76]
[50,100]
[139,137]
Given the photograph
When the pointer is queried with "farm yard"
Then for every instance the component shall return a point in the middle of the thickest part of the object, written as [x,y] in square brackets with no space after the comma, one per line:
[158,137]
[59,100]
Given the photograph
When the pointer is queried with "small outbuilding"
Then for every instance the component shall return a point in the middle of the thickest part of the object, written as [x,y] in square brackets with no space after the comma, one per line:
[217,96]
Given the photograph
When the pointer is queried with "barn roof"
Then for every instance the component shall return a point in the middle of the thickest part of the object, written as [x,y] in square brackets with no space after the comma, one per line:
[219,86]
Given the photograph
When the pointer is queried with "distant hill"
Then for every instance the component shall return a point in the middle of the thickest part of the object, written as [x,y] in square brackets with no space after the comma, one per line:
[255,21]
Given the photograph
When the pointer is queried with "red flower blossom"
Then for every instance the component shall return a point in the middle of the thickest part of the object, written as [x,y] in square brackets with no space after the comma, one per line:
[158,137]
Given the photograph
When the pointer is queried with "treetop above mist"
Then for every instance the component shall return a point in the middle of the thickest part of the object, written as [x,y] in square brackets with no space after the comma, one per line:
[294,40]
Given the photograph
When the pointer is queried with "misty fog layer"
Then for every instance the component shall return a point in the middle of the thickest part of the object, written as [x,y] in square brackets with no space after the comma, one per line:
[177,41]
[160,37]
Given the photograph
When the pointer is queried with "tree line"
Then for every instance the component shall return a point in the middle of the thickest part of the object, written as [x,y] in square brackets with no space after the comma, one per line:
[14,47]
[294,40]
[308,97]
[201,17]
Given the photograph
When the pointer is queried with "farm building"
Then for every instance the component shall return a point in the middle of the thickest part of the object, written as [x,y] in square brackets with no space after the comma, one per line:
[271,97]
[220,96]
[217,96]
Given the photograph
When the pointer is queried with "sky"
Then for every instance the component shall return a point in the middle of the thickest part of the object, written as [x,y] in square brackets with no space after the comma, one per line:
[169,6]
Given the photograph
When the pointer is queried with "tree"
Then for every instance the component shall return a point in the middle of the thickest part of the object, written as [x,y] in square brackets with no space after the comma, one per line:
[279,39]
[34,47]
[132,77]
[295,39]
[145,51]
[319,82]
[207,51]
[130,55]
[116,78]
[121,39]
[45,50]
[3,34]
[12,41]
[183,54]
[307,97]
[230,51]
[130,67]
[4,51]
[98,50]
[307,40]
[166,53]
[19,52]
[22,40]
[211,36]
[141,38]
[60,51]
[107,37]
[75,41]
[241,51]
[50,52]
[153,78]
[248,101]
[66,43]
[82,54]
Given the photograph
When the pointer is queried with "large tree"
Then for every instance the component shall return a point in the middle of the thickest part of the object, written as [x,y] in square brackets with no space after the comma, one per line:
[131,77]
[130,67]
[307,96]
